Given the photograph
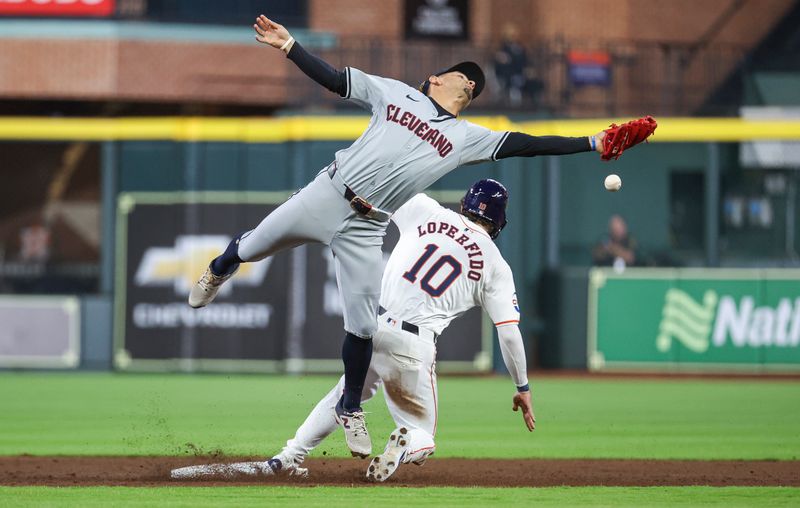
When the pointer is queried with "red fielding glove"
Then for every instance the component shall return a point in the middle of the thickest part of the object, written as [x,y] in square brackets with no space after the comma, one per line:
[621,137]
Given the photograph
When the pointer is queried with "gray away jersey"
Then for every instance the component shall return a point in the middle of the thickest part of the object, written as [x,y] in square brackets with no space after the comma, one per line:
[408,145]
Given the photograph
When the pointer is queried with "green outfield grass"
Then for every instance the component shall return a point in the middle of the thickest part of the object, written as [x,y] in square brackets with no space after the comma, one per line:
[332,497]
[118,414]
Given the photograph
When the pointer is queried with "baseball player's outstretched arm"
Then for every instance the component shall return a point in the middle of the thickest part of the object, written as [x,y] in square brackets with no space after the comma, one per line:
[319,70]
[514,358]
[517,144]
[276,35]
[513,353]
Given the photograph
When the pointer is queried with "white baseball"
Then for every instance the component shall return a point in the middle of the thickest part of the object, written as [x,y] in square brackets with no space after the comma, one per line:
[613,183]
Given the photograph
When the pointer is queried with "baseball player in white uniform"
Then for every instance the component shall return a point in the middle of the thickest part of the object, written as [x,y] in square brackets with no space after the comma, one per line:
[444,264]
[414,138]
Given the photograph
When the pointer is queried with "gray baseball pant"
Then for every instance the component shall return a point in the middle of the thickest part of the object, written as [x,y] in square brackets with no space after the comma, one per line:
[319,213]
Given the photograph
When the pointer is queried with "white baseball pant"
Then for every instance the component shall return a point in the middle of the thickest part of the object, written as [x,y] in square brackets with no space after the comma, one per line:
[404,363]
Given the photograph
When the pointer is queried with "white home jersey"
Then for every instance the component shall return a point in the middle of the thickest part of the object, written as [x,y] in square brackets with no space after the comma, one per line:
[408,144]
[443,265]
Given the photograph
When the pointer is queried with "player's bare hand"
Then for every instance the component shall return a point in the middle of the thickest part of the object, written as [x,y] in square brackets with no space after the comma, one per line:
[599,137]
[523,401]
[269,32]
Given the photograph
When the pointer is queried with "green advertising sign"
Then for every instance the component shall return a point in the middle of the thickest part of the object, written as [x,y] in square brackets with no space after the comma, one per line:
[694,319]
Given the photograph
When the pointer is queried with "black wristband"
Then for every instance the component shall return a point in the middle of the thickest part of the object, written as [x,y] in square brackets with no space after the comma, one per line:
[524,388]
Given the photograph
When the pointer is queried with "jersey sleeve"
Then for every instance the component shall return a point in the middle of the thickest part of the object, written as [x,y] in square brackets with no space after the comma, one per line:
[481,144]
[368,91]
[500,297]
[517,144]
[415,209]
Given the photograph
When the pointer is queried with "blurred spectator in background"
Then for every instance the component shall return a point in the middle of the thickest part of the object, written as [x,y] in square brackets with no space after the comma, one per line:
[517,78]
[34,243]
[510,63]
[618,249]
[533,86]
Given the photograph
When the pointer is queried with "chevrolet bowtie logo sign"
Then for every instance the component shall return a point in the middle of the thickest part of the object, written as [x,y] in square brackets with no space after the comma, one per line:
[182,265]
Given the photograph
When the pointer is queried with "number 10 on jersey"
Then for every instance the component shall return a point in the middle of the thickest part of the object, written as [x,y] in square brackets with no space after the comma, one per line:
[425,282]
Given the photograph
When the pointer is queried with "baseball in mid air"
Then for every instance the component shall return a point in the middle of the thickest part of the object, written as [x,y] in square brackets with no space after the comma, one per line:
[613,183]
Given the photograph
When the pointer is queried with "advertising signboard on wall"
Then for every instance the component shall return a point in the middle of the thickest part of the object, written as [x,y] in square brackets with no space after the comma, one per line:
[589,68]
[39,331]
[282,313]
[694,319]
[101,8]
[437,19]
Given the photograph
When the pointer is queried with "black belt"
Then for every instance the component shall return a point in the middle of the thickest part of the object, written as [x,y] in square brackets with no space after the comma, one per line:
[348,192]
[357,203]
[405,325]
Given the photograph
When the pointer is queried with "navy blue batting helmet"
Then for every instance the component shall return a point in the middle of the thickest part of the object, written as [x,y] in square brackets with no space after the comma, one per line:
[487,200]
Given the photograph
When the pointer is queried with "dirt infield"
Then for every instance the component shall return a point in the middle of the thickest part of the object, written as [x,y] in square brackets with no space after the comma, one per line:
[154,471]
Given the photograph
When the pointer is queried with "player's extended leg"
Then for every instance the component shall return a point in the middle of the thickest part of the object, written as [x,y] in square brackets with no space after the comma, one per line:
[359,266]
[313,214]
[406,364]
[319,424]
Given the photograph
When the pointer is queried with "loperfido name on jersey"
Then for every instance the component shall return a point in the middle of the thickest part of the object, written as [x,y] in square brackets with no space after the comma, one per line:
[474,252]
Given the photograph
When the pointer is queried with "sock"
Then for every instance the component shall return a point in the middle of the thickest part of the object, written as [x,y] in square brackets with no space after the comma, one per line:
[229,260]
[356,355]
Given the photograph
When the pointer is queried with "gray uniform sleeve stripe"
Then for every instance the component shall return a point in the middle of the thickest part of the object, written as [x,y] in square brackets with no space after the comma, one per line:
[499,144]
[347,94]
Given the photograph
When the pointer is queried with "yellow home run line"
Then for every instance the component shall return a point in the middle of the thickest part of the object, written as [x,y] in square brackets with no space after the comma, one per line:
[345,128]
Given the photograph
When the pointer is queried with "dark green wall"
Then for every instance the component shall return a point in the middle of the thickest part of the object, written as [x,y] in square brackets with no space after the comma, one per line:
[643,201]
[168,166]
[584,210]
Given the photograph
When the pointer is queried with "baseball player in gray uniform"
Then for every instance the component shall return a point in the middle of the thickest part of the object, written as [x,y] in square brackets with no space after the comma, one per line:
[414,137]
[444,264]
